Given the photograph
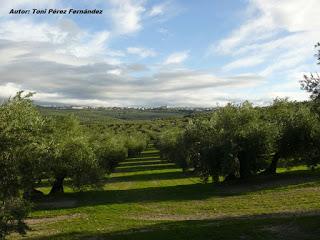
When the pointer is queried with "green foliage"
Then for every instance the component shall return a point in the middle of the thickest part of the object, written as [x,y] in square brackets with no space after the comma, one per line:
[34,148]
[21,137]
[79,163]
[234,142]
[20,131]
[9,181]
[136,143]
[13,211]
[171,146]
[71,155]
[110,151]
[312,85]
[297,131]
[239,141]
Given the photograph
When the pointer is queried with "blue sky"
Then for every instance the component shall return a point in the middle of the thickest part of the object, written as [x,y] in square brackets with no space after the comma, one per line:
[151,53]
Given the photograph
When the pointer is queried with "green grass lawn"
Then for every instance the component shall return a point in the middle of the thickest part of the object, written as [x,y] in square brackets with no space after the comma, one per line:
[148,198]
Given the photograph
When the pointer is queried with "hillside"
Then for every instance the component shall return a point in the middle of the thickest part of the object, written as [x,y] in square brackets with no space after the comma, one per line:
[103,114]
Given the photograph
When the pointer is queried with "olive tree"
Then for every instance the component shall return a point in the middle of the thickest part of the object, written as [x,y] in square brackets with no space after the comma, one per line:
[136,143]
[236,142]
[71,156]
[110,150]
[171,144]
[297,128]
[20,133]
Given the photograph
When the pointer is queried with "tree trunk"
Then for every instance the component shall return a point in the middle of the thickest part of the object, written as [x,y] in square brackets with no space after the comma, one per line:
[271,170]
[57,186]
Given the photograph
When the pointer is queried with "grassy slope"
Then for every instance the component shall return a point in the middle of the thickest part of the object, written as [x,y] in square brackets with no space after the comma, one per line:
[151,199]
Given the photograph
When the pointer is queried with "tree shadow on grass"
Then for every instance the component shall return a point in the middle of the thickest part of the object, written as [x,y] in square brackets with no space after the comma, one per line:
[144,162]
[264,227]
[195,191]
[140,168]
[132,178]
[153,154]
[142,158]
[151,176]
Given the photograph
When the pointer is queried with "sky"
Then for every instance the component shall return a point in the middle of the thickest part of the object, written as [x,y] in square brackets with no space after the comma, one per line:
[179,53]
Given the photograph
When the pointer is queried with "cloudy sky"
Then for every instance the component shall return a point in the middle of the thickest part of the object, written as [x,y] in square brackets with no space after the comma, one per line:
[151,53]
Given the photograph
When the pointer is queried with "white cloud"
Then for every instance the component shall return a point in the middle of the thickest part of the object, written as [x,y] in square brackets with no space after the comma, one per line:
[269,18]
[163,11]
[25,30]
[244,62]
[157,10]
[101,84]
[251,32]
[96,45]
[163,31]
[116,72]
[177,57]
[281,33]
[11,53]
[292,15]
[66,63]
[141,52]
[7,5]
[276,42]
[63,42]
[126,15]
[9,89]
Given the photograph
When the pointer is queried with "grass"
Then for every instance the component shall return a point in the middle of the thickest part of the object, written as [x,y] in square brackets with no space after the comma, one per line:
[148,198]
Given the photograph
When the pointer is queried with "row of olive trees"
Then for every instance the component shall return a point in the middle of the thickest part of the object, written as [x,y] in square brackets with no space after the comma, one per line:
[239,141]
[34,148]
